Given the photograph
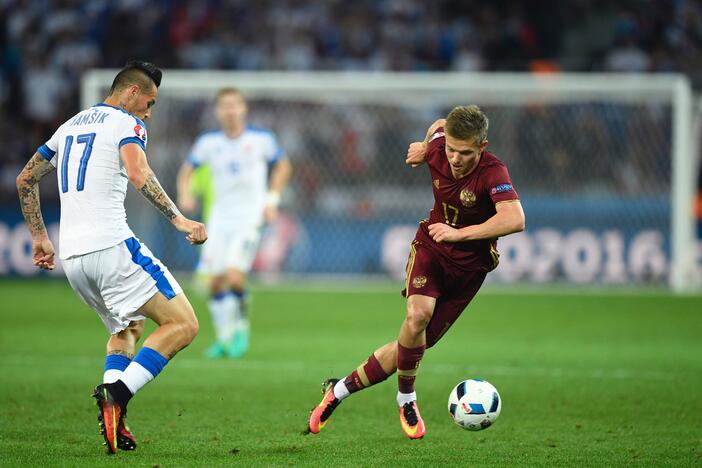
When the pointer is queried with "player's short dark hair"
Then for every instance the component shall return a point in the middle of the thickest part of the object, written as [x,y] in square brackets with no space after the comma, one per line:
[466,123]
[227,90]
[137,72]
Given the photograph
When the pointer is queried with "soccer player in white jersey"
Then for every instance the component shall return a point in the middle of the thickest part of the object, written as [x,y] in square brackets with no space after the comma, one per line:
[240,158]
[96,153]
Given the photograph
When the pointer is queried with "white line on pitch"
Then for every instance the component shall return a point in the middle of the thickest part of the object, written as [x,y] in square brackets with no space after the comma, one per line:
[489,290]
[298,366]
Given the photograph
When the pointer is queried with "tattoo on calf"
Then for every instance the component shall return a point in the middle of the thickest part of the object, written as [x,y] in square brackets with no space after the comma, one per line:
[153,192]
[120,352]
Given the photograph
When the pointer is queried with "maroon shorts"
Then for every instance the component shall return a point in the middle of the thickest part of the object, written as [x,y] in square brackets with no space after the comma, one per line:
[429,274]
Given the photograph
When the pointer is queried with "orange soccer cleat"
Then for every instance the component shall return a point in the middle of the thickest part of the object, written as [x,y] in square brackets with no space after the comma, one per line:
[109,417]
[411,421]
[125,438]
[322,412]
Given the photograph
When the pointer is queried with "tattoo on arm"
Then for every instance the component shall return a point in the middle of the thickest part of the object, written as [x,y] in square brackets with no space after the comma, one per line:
[28,190]
[120,352]
[153,192]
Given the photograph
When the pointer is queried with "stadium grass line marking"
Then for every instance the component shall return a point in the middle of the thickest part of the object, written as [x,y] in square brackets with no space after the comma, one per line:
[300,366]
[488,290]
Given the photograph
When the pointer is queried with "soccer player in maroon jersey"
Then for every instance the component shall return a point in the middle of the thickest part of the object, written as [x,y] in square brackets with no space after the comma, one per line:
[452,252]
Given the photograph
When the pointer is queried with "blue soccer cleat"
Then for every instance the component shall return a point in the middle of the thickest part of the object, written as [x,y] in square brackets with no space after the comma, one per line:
[239,345]
[216,351]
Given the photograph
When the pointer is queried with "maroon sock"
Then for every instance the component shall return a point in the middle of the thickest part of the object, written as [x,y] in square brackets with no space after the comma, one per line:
[367,374]
[407,363]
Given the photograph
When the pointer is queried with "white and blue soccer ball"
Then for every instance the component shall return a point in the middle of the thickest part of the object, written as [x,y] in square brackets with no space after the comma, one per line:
[474,404]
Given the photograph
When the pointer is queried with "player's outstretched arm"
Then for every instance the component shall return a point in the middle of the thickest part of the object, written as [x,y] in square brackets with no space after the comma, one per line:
[28,190]
[508,220]
[280,175]
[144,180]
[416,154]
[417,151]
[432,128]
[186,201]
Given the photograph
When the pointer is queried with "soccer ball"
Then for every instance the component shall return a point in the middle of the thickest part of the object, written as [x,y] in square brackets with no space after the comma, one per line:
[474,404]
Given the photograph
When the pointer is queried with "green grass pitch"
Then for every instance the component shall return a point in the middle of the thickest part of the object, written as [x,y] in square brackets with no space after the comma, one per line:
[586,379]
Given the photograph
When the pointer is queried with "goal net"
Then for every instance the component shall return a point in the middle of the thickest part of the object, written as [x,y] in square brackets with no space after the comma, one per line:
[603,165]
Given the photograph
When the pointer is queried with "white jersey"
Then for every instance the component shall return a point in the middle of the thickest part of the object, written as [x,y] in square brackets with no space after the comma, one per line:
[91,178]
[239,173]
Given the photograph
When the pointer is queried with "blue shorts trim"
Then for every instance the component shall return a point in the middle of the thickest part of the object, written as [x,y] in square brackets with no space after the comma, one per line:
[150,267]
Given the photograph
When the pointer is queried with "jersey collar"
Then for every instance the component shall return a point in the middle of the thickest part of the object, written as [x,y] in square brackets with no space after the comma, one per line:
[102,104]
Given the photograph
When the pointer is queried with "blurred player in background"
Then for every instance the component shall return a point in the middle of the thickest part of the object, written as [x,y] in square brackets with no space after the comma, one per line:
[97,151]
[202,188]
[453,250]
[240,158]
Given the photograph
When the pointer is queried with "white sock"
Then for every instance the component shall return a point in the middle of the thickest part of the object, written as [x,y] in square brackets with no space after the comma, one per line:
[223,316]
[243,302]
[111,376]
[340,390]
[135,376]
[239,321]
[242,324]
[404,398]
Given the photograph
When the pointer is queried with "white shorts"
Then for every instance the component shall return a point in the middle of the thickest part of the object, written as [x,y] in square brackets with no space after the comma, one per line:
[117,281]
[230,249]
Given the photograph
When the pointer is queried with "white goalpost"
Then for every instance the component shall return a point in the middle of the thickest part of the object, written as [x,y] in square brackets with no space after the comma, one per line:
[604,163]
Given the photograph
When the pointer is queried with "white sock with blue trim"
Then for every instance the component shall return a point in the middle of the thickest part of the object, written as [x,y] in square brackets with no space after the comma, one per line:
[115,364]
[222,307]
[241,317]
[147,364]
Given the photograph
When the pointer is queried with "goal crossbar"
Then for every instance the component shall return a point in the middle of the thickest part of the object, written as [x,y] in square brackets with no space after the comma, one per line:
[486,88]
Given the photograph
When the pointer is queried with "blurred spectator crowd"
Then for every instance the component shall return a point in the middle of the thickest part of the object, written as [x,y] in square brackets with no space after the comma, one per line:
[45,45]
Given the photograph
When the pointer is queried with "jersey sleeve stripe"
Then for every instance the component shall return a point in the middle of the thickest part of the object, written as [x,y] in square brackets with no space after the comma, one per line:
[192,160]
[277,155]
[150,267]
[133,139]
[47,152]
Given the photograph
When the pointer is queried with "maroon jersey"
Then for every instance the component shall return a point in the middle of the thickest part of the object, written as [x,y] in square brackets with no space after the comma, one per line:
[465,202]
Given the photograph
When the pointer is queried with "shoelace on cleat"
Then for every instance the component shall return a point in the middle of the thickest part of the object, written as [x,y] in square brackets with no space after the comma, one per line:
[410,414]
[329,383]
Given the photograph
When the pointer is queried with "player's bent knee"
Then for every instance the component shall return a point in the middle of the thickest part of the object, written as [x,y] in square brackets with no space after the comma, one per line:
[188,325]
[188,332]
[183,333]
[217,285]
[236,280]
[192,328]
[418,318]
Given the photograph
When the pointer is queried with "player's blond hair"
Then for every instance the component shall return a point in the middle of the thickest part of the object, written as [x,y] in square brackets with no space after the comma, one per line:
[467,123]
[226,91]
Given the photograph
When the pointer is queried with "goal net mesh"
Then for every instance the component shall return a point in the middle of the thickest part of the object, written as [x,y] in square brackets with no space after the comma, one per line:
[593,173]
